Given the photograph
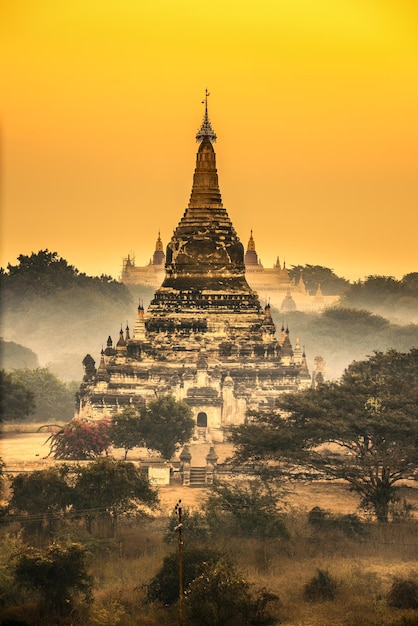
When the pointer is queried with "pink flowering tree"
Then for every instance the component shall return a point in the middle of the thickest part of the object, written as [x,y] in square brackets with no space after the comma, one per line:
[80,439]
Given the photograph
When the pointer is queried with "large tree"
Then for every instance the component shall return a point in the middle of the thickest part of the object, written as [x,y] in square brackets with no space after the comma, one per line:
[363,429]
[59,574]
[54,399]
[107,489]
[166,422]
[40,498]
[124,431]
[17,400]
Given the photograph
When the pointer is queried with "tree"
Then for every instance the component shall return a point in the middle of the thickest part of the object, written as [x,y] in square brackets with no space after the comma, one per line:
[315,275]
[54,400]
[107,489]
[165,423]
[41,497]
[371,417]
[124,431]
[221,595]
[164,586]
[17,401]
[250,506]
[59,574]
[14,356]
[80,439]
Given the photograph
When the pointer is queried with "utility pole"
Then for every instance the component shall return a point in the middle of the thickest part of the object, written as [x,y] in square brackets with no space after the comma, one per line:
[179,529]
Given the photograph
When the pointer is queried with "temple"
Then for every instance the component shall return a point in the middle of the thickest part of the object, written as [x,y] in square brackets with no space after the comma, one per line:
[273,284]
[205,337]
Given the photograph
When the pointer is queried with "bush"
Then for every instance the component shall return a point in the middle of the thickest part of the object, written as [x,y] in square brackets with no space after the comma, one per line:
[80,439]
[322,586]
[164,587]
[220,596]
[350,524]
[59,575]
[403,594]
[250,508]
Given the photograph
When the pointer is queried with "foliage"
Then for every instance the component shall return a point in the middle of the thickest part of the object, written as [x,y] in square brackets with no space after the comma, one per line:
[17,401]
[341,335]
[195,527]
[53,309]
[54,400]
[220,595]
[41,497]
[385,295]
[248,507]
[349,524]
[9,547]
[107,489]
[403,594]
[80,439]
[370,417]
[164,586]
[13,355]
[165,424]
[322,586]
[59,574]
[316,275]
[124,431]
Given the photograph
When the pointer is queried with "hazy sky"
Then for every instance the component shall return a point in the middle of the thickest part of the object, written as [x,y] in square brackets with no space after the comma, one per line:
[315,104]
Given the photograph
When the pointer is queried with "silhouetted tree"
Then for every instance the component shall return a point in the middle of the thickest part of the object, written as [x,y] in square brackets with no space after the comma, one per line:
[372,417]
[59,574]
[124,430]
[17,401]
[108,489]
[164,423]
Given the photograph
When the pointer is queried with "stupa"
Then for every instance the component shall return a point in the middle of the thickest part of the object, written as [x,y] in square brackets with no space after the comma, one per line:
[205,338]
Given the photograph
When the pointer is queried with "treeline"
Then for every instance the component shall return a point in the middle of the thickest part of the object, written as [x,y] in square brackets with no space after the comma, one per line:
[37,395]
[341,335]
[60,313]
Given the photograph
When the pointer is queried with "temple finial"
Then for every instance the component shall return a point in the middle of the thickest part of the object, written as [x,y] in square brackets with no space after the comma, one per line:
[206,129]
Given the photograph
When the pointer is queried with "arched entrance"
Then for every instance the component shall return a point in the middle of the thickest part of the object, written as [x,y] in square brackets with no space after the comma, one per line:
[202,424]
[202,419]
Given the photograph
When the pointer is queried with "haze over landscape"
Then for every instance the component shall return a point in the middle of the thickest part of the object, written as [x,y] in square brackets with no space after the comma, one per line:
[314,104]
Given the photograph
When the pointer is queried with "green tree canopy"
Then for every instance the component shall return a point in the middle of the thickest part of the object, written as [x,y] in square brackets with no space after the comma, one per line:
[59,574]
[363,429]
[107,489]
[41,497]
[54,399]
[17,400]
[315,275]
[250,508]
[125,431]
[15,356]
[166,422]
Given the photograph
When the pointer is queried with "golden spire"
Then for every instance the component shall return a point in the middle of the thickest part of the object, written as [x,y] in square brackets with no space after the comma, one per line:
[206,130]
[159,244]
[251,242]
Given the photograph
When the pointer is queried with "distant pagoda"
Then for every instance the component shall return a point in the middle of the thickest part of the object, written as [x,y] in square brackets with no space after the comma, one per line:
[205,337]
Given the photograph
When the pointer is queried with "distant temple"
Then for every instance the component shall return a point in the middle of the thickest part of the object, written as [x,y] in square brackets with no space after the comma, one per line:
[273,285]
[205,337]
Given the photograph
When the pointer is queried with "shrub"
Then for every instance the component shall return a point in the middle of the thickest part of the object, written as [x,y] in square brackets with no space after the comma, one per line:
[80,439]
[403,594]
[164,587]
[59,574]
[250,508]
[220,595]
[322,586]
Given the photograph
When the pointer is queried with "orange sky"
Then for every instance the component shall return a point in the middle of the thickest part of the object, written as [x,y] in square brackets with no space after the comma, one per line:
[315,104]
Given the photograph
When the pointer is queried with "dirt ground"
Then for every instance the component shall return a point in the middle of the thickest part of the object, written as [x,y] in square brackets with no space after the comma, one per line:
[29,451]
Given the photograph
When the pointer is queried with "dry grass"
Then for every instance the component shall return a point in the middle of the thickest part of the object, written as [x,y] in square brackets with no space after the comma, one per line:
[363,565]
